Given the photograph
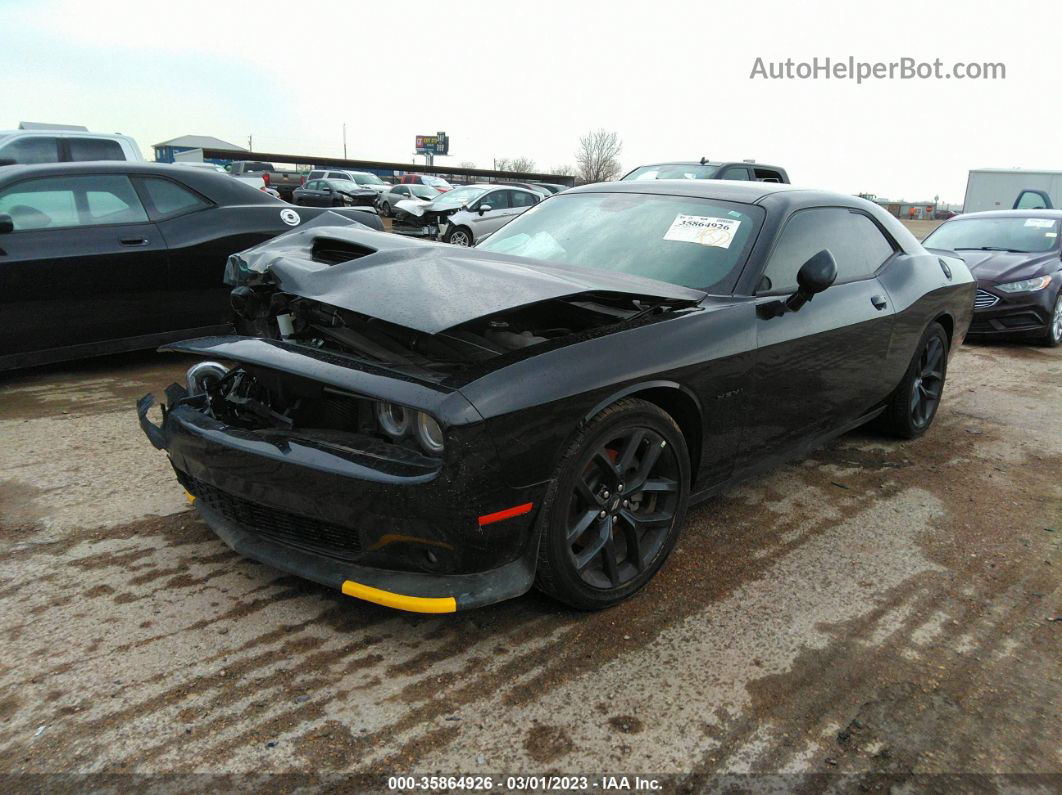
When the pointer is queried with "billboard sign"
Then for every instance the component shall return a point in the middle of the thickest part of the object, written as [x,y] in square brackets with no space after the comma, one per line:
[438,144]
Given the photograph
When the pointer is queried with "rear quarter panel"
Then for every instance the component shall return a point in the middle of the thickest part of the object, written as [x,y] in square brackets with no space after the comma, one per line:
[921,293]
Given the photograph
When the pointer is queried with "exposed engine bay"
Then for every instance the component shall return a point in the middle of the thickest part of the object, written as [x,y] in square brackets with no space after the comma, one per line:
[561,320]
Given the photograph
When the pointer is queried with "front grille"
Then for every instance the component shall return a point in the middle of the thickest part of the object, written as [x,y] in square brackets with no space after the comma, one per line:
[289,529]
[985,299]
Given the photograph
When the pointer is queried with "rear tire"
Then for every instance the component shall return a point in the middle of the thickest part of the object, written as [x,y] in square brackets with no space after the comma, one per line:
[616,507]
[914,403]
[385,210]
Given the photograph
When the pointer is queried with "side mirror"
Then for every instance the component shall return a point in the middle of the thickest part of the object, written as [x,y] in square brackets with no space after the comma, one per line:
[6,224]
[484,208]
[814,276]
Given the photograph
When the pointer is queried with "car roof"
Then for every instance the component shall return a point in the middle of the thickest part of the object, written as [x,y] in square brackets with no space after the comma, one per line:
[723,189]
[1011,214]
[220,188]
[708,163]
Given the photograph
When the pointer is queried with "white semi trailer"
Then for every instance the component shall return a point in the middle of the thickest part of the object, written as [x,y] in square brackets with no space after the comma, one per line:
[1012,188]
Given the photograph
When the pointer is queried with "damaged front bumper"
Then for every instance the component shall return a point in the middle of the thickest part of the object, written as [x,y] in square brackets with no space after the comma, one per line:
[374,520]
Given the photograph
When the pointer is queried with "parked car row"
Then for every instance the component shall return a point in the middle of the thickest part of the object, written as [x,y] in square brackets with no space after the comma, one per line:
[111,256]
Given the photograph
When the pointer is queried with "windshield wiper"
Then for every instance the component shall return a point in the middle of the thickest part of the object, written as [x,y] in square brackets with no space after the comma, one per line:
[991,248]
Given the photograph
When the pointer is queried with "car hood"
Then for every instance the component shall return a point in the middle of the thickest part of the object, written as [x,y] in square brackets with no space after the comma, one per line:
[430,287]
[1008,266]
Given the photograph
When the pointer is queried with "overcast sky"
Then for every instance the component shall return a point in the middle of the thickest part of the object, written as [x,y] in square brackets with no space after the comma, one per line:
[514,78]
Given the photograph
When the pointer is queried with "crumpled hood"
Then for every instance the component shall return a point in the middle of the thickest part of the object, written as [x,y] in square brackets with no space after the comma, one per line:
[1001,267]
[431,287]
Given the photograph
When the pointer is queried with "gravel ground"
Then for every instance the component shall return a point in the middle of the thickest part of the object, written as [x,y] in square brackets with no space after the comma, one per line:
[880,607]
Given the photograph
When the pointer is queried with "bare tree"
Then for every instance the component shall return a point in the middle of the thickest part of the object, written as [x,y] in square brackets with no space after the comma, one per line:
[514,164]
[467,164]
[563,171]
[597,156]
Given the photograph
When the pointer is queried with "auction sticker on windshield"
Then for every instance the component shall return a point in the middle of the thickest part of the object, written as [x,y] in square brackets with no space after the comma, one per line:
[703,229]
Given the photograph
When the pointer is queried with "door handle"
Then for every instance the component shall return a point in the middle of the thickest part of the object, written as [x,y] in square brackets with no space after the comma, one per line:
[133,241]
[879,301]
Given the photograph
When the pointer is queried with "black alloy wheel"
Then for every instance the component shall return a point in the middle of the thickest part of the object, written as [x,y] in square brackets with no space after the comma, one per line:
[616,508]
[914,404]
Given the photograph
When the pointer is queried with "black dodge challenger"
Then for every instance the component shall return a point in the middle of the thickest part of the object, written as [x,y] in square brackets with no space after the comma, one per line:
[110,256]
[434,428]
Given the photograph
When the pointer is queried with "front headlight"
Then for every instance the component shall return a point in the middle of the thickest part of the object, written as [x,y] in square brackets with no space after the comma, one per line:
[429,433]
[394,420]
[1025,285]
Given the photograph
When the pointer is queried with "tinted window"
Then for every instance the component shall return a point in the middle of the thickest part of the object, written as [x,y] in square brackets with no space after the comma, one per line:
[32,149]
[498,200]
[72,201]
[401,190]
[681,240]
[736,173]
[170,198]
[767,175]
[855,241]
[315,175]
[337,175]
[94,149]
[517,198]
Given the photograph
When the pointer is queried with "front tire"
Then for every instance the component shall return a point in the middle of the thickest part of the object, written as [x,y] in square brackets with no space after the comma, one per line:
[914,403]
[1053,337]
[459,236]
[615,509]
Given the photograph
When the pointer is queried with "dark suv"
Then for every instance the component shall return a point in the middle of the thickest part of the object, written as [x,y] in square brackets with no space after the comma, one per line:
[748,171]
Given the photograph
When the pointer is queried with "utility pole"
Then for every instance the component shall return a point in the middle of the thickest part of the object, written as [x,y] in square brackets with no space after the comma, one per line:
[344,140]
[250,142]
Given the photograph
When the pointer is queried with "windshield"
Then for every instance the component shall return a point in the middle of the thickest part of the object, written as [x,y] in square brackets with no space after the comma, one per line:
[424,191]
[457,197]
[687,241]
[1022,234]
[674,171]
[367,179]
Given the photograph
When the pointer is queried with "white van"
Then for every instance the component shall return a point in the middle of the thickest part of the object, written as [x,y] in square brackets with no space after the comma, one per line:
[61,144]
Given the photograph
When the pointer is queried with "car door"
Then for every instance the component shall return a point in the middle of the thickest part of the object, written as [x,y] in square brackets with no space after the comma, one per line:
[84,265]
[200,237]
[520,201]
[483,222]
[311,195]
[821,368]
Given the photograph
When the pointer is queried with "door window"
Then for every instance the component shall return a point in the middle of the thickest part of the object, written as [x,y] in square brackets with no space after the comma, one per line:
[736,172]
[857,245]
[94,149]
[170,198]
[498,200]
[519,198]
[84,200]
[767,175]
[337,175]
[32,149]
